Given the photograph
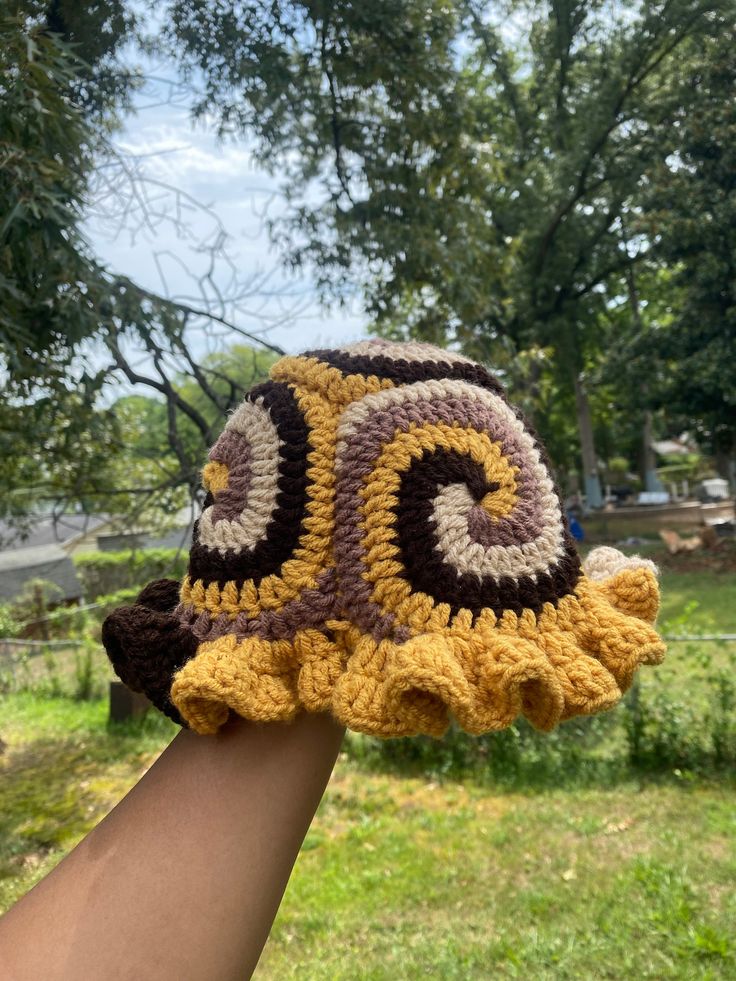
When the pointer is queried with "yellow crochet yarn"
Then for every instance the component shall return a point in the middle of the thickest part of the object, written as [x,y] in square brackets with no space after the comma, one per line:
[382,539]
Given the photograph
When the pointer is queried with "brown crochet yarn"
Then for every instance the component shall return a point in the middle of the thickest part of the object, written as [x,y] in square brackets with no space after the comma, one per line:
[382,538]
[147,645]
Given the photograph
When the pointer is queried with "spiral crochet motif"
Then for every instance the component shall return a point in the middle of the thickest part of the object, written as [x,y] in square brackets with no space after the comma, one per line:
[382,538]
[465,509]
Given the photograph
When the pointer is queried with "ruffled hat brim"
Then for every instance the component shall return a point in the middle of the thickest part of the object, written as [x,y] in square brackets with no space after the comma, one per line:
[574,658]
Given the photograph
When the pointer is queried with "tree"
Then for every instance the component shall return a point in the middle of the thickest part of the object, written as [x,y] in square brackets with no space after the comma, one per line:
[69,327]
[637,381]
[95,31]
[691,213]
[139,458]
[44,156]
[471,179]
[485,184]
[163,441]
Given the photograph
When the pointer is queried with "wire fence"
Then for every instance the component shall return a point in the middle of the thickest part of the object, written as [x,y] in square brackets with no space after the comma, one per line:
[12,647]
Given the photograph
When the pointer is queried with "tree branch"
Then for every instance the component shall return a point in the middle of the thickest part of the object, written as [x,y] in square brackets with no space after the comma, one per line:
[497,57]
[334,114]
[164,386]
[191,311]
[633,81]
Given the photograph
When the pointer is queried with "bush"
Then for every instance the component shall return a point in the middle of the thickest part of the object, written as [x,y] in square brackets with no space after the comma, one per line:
[722,720]
[32,606]
[664,732]
[122,597]
[84,673]
[583,750]
[103,573]
[657,729]
[9,625]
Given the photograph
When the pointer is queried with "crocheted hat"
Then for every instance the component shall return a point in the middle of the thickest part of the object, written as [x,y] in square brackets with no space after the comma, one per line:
[382,539]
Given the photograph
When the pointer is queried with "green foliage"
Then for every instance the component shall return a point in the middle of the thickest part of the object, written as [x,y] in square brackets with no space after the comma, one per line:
[9,625]
[525,193]
[722,719]
[407,877]
[691,207]
[518,756]
[51,289]
[665,732]
[656,730]
[691,467]
[44,159]
[483,182]
[95,32]
[139,476]
[79,671]
[109,601]
[678,718]
[130,459]
[103,573]
[62,90]
[84,673]
[229,375]
[51,683]
[31,606]
[475,177]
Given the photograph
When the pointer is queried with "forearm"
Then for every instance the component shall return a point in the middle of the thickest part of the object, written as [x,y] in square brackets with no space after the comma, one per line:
[183,878]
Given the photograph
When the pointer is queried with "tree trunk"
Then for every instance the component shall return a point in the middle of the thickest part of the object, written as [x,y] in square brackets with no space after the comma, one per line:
[591,478]
[649,457]
[726,466]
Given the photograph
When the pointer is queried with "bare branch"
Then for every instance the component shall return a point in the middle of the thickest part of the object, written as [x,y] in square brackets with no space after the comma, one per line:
[191,311]
[163,386]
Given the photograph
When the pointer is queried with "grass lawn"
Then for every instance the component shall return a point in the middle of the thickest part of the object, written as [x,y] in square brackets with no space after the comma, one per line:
[399,879]
[407,877]
[61,771]
[712,595]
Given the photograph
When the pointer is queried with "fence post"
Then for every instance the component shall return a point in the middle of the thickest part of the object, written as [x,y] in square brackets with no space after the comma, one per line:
[126,704]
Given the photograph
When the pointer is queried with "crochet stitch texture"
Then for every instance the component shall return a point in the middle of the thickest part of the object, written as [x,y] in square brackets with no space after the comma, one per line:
[382,539]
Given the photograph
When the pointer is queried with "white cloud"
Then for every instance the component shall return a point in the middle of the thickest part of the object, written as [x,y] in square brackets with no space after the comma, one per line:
[223,177]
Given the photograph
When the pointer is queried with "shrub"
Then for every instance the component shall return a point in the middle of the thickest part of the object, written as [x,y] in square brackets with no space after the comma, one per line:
[657,729]
[84,674]
[722,720]
[103,573]
[32,606]
[582,750]
[665,732]
[9,625]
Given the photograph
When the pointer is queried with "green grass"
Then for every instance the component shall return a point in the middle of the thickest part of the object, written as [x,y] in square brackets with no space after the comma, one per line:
[715,596]
[695,603]
[404,877]
[61,771]
[399,879]
[577,868]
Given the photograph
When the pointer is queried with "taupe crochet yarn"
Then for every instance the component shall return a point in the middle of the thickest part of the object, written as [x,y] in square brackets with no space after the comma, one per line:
[382,539]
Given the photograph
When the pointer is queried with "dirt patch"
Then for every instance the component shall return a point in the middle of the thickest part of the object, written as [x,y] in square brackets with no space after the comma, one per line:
[721,559]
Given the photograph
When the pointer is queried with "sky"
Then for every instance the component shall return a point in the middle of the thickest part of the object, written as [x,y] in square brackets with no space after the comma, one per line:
[223,193]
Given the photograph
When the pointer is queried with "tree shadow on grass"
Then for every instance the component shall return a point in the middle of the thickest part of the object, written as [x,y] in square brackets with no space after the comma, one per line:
[54,790]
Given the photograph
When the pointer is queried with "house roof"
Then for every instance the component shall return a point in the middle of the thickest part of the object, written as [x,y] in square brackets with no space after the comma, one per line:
[672,447]
[48,562]
[48,530]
